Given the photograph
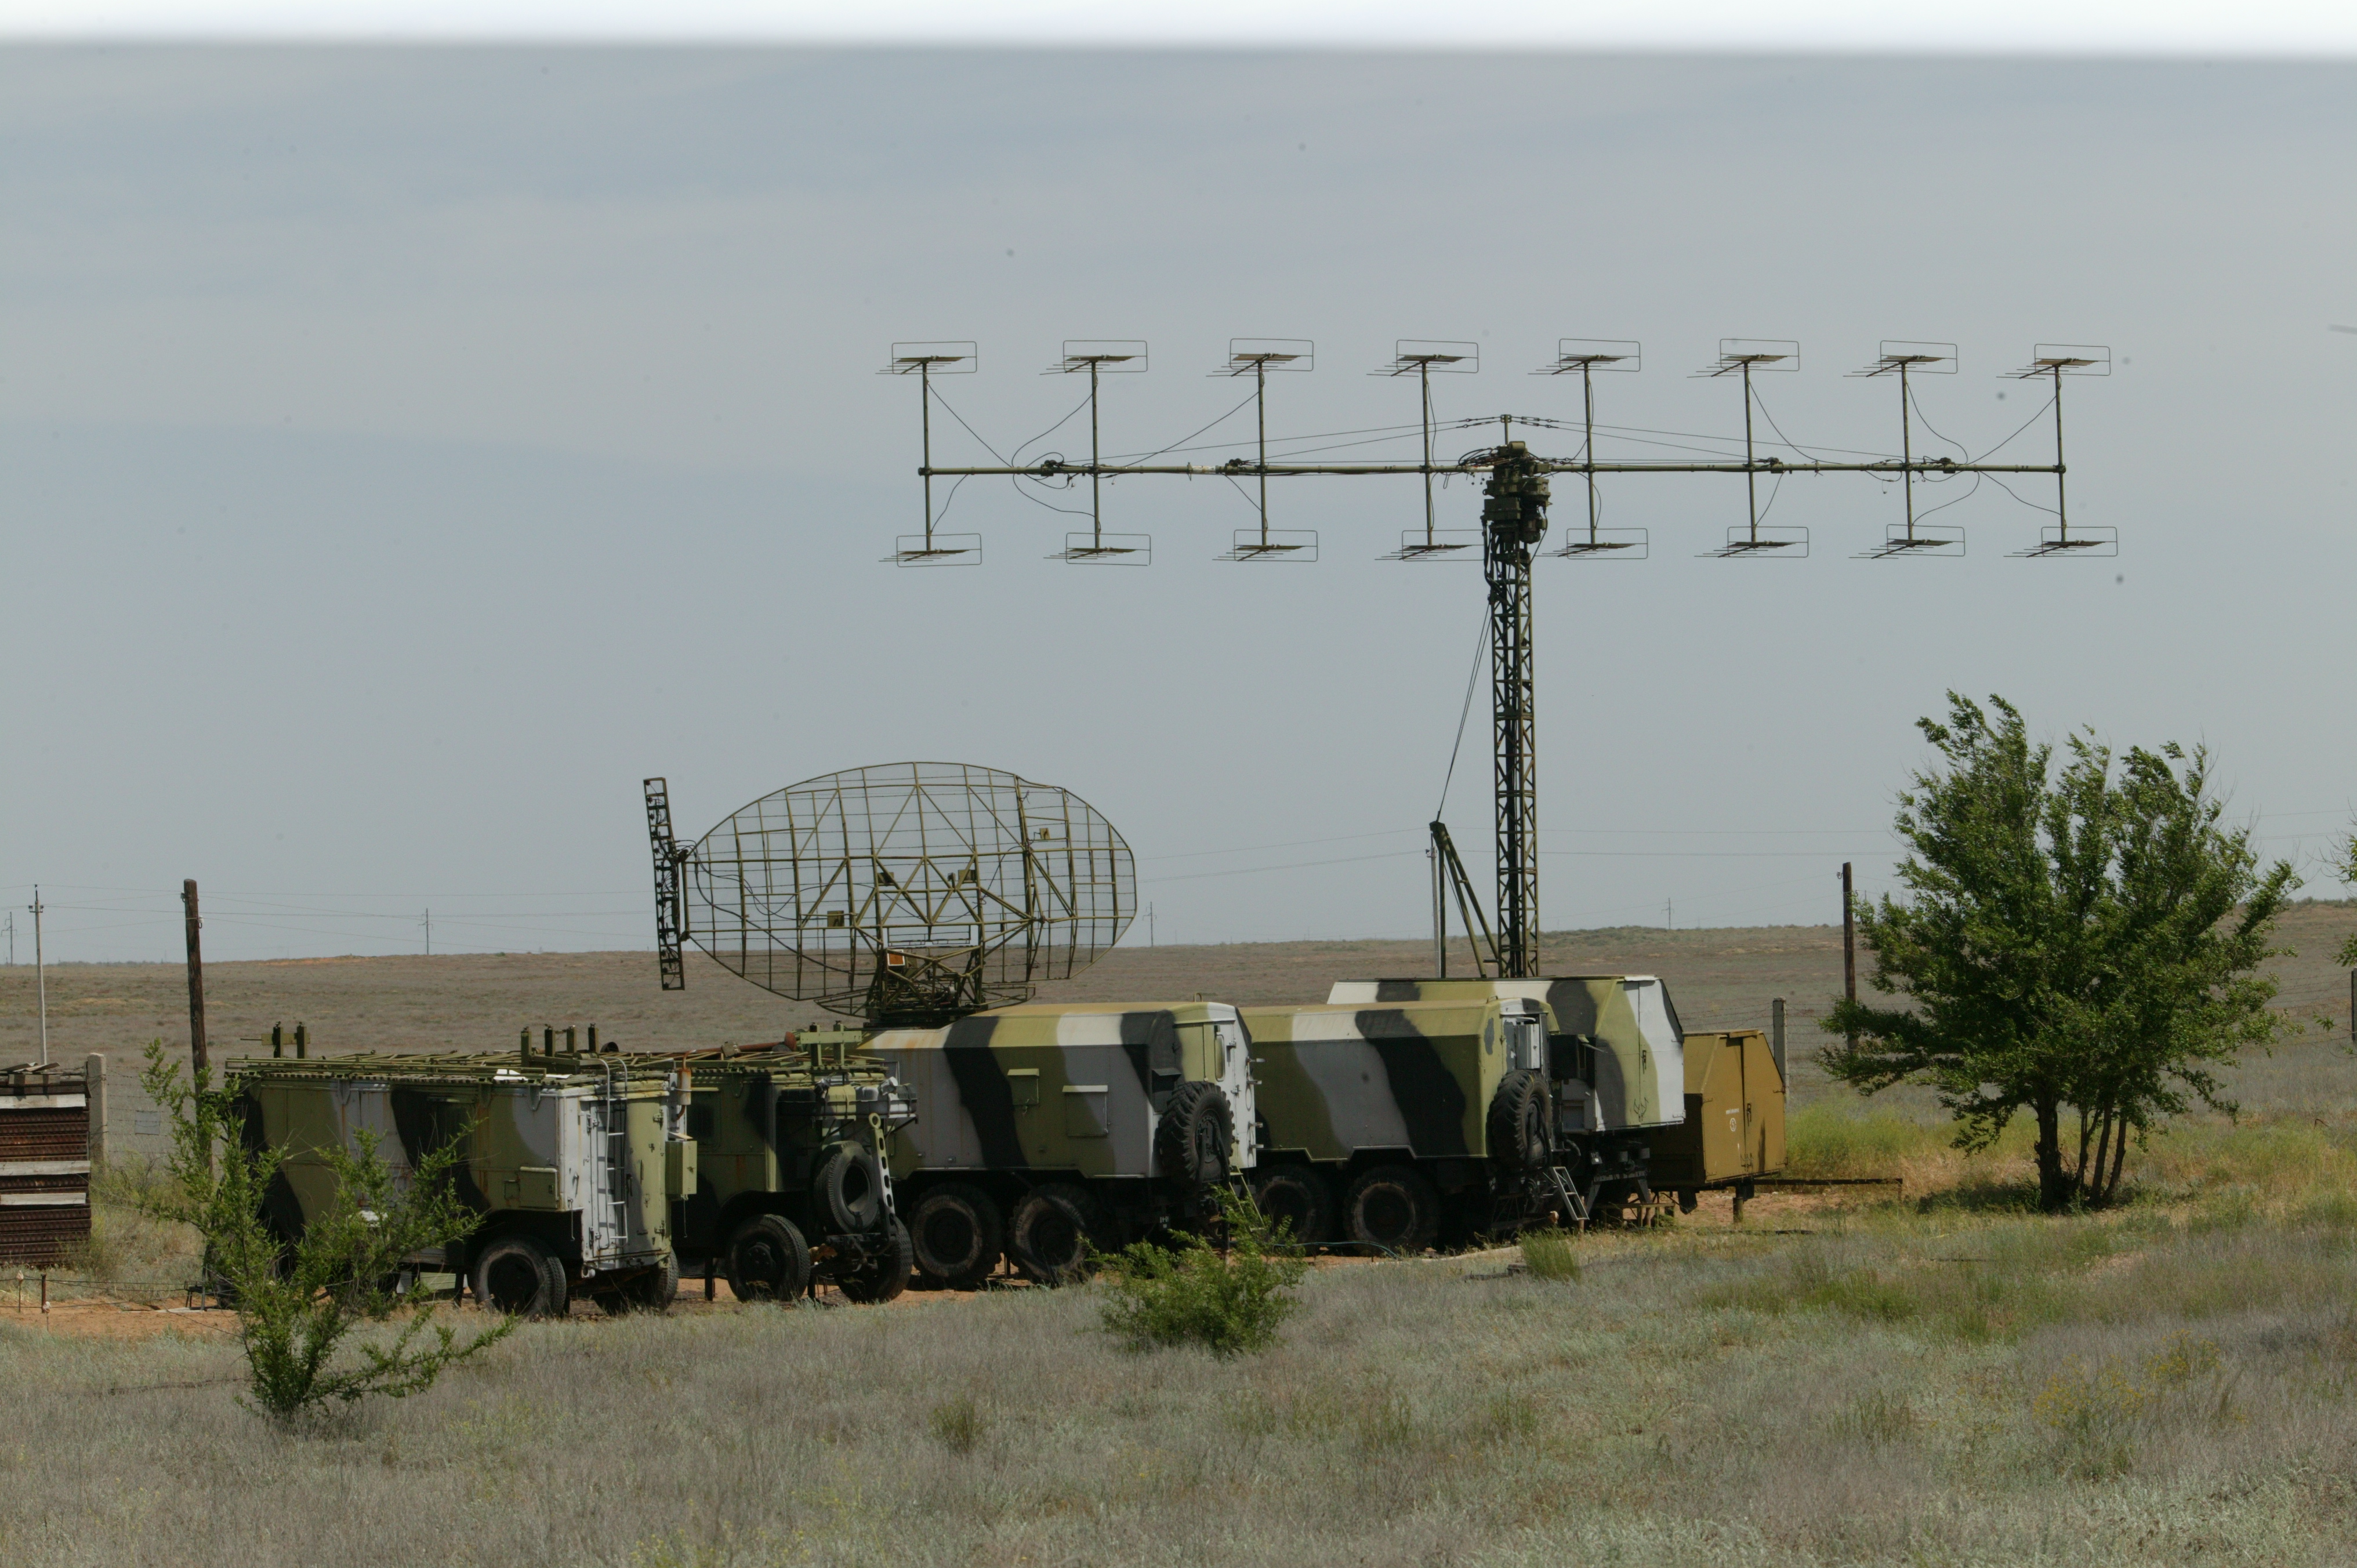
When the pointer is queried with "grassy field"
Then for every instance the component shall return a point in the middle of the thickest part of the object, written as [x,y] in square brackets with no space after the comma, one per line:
[1942,1378]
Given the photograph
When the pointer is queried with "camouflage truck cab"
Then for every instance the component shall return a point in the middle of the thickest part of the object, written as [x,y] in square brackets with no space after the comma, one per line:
[571,1160]
[1616,1066]
[1389,1125]
[1043,1127]
[792,1141]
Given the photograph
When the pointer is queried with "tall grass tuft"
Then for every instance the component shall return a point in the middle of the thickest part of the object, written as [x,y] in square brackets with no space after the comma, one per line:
[958,1424]
[1192,1296]
[1549,1255]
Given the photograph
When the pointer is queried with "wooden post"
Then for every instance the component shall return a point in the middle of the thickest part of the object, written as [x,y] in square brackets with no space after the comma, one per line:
[1850,937]
[195,979]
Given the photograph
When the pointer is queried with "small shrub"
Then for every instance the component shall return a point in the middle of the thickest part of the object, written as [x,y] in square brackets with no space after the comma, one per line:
[958,1424]
[1549,1255]
[2182,1359]
[2094,1416]
[299,1298]
[1878,1417]
[1192,1296]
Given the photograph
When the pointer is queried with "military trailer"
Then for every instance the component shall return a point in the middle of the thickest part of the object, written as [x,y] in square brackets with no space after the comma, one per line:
[1734,1131]
[1614,1068]
[1400,1124]
[1043,1130]
[792,1147]
[573,1161]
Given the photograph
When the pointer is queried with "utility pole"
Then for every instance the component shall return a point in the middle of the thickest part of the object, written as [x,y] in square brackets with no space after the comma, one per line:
[196,1055]
[1849,935]
[1149,925]
[11,938]
[40,975]
[429,933]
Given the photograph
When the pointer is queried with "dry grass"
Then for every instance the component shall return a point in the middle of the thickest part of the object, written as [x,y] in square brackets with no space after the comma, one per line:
[1945,1380]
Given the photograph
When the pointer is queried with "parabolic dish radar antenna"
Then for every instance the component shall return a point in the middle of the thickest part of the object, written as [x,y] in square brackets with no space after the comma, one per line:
[906,895]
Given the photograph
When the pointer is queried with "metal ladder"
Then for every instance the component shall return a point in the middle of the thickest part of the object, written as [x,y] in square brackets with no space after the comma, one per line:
[614,1169]
[1574,1204]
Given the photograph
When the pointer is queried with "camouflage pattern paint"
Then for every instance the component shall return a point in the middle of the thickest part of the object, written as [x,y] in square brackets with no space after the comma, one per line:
[1076,1088]
[1412,1079]
[1639,1061]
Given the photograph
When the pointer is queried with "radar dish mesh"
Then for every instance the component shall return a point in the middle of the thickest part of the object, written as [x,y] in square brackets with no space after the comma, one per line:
[912,892]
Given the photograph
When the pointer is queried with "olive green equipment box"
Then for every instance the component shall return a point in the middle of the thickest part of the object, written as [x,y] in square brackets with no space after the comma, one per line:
[1399,1125]
[1734,1132]
[573,1161]
[792,1141]
[1043,1130]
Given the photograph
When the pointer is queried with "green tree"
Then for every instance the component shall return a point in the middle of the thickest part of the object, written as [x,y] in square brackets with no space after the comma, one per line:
[300,1297]
[2079,943]
[2348,869]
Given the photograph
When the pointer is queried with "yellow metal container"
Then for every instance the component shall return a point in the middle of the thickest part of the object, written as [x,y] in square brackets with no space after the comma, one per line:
[1734,1130]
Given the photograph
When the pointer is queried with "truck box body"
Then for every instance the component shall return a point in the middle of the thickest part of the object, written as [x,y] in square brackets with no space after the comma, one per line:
[581,1151]
[1621,1030]
[1046,1088]
[1412,1079]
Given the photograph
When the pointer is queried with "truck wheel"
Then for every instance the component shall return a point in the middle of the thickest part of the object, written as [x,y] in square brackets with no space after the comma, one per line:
[518,1276]
[883,1275]
[652,1291]
[849,1188]
[1393,1208]
[958,1235]
[1518,1120]
[1298,1197]
[1051,1232]
[769,1260]
[1191,1141]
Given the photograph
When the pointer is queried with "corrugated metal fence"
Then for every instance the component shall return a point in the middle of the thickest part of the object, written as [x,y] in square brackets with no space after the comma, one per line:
[46,1152]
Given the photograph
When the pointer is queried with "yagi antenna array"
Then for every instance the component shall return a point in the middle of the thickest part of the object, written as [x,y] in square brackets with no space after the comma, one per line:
[1740,360]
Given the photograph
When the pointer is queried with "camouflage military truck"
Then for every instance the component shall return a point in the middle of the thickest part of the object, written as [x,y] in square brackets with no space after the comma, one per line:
[1401,1125]
[791,1143]
[1615,1069]
[573,1161]
[1041,1129]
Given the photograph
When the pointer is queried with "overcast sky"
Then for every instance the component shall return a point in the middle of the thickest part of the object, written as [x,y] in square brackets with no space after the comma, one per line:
[405,451]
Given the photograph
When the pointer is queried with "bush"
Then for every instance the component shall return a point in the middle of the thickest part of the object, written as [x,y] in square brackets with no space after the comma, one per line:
[298,1298]
[1193,1296]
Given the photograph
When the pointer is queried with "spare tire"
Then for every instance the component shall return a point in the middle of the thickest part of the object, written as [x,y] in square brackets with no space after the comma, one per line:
[849,1188]
[1191,1141]
[1051,1232]
[1393,1209]
[957,1234]
[767,1260]
[516,1275]
[1518,1120]
[882,1275]
[1300,1198]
